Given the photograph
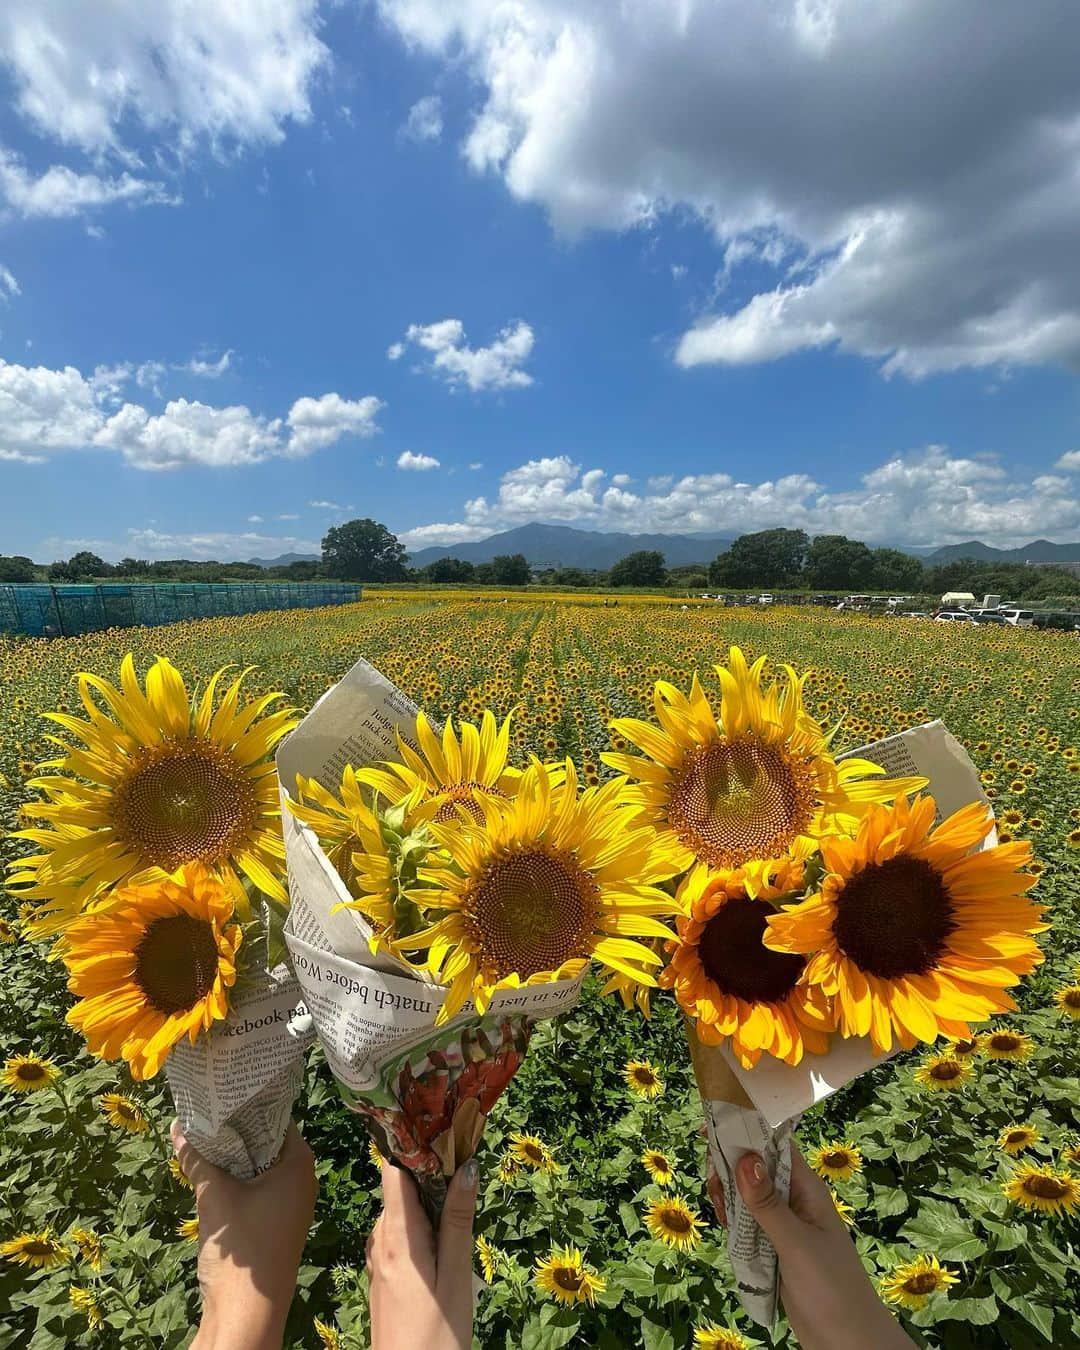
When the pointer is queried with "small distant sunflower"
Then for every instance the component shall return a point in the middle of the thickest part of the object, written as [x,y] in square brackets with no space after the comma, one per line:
[41,1250]
[189,1229]
[550,880]
[642,1079]
[714,1337]
[564,1275]
[124,1113]
[157,782]
[375,1156]
[83,1301]
[672,1220]
[837,1162]
[722,789]
[178,1174]
[528,1150]
[1015,1138]
[461,771]
[965,1048]
[1070,1154]
[8,933]
[659,1166]
[153,968]
[509,1167]
[729,984]
[911,1285]
[943,1073]
[913,933]
[329,1336]
[1043,1189]
[1068,1000]
[1002,1044]
[28,1073]
[489,1256]
[90,1246]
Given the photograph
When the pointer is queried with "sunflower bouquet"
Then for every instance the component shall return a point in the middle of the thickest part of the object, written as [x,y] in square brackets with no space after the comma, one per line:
[443,901]
[827,912]
[158,863]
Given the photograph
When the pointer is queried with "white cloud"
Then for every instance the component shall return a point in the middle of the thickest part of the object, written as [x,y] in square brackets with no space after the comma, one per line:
[9,287]
[46,411]
[326,506]
[207,369]
[20,457]
[851,147]
[419,463]
[255,520]
[476,464]
[931,496]
[61,192]
[185,70]
[1069,461]
[477,368]
[288,515]
[424,122]
[395,351]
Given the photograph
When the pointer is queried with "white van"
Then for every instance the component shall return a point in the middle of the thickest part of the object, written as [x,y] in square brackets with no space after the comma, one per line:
[1019,618]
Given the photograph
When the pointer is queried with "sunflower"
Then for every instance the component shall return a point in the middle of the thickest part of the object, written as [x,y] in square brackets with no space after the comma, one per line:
[124,1113]
[1001,1044]
[943,1073]
[189,1229]
[713,1337]
[329,1336]
[83,1301]
[91,1248]
[549,880]
[564,1275]
[8,934]
[528,1150]
[178,1175]
[157,782]
[913,934]
[1015,1138]
[744,784]
[672,1220]
[489,1256]
[1070,1155]
[659,1166]
[41,1250]
[509,1167]
[461,772]
[1068,1000]
[28,1073]
[965,1048]
[153,968]
[730,985]
[1044,1189]
[846,1213]
[912,1284]
[837,1162]
[375,1157]
[642,1079]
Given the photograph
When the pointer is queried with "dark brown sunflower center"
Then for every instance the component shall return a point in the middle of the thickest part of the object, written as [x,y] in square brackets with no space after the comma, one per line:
[185,800]
[946,1072]
[836,1159]
[1016,1136]
[126,1110]
[532,911]
[923,1283]
[176,962]
[740,799]
[1002,1040]
[35,1248]
[1071,998]
[533,1153]
[675,1221]
[566,1277]
[643,1076]
[733,957]
[965,1048]
[465,794]
[1045,1188]
[31,1073]
[893,918]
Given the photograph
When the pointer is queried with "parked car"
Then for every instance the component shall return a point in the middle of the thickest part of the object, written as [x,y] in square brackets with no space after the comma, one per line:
[765,599]
[990,616]
[953,616]
[1018,618]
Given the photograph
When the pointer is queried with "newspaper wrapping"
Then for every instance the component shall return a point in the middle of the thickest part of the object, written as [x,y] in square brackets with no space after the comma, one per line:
[423,1090]
[756,1110]
[234,1088]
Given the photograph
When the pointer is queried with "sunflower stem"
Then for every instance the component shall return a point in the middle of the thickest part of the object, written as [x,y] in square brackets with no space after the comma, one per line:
[136,1319]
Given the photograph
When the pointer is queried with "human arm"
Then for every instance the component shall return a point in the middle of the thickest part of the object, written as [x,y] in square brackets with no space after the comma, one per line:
[251,1236]
[826,1293]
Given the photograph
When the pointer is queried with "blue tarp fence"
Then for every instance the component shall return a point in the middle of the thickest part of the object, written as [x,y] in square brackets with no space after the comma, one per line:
[66,611]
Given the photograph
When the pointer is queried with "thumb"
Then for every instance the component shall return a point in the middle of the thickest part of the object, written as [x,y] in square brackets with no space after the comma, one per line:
[194,1166]
[780,1225]
[454,1260]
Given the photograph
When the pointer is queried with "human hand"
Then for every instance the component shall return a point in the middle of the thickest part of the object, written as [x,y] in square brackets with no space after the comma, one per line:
[421,1290]
[827,1295]
[251,1236]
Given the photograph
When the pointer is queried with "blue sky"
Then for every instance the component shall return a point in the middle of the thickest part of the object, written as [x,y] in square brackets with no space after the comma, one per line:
[458,265]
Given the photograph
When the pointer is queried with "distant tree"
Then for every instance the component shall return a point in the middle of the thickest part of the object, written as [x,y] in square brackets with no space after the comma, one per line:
[836,563]
[16,568]
[644,568]
[85,564]
[510,569]
[363,550]
[484,574]
[896,571]
[449,569]
[692,576]
[60,571]
[765,558]
[569,576]
[132,567]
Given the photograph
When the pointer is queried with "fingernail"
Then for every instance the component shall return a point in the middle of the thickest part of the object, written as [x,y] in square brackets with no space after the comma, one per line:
[470,1175]
[759,1172]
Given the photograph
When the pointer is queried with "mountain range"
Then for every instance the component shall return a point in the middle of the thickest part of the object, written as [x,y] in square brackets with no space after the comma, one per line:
[1038,551]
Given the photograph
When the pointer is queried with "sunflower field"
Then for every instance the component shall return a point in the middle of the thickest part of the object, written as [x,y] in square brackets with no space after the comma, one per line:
[957,1168]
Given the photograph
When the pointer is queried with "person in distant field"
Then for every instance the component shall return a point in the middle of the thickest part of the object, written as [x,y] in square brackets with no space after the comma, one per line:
[252,1235]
